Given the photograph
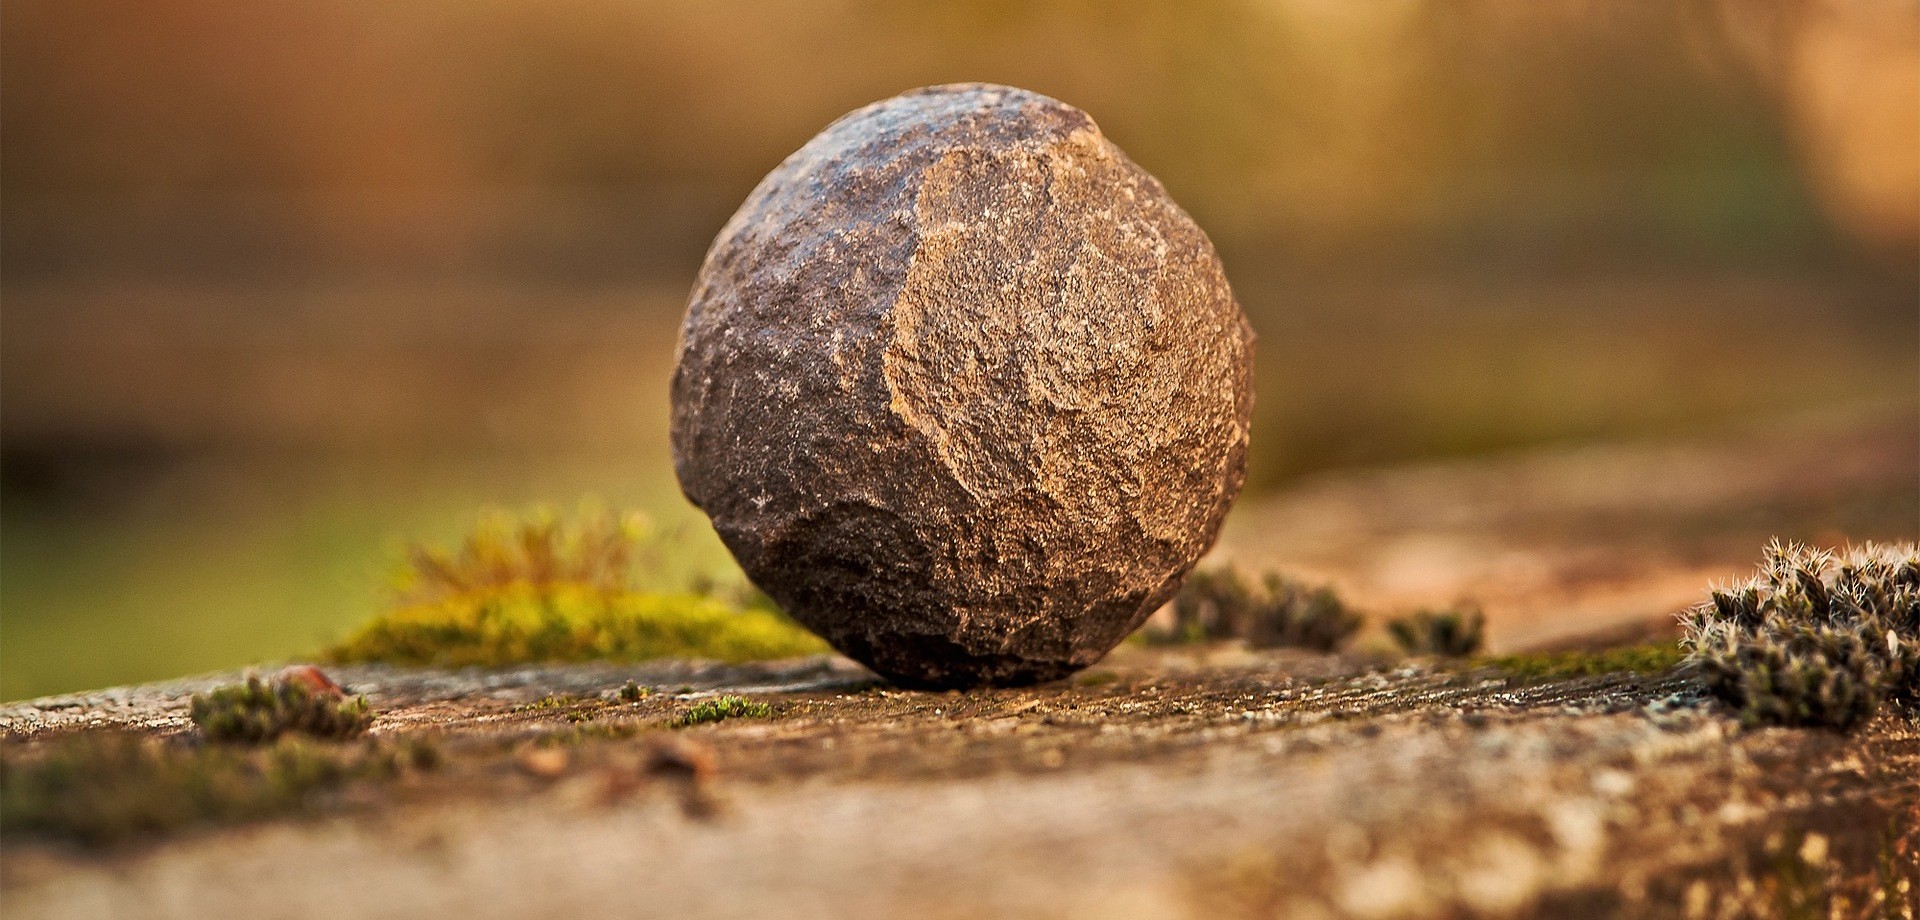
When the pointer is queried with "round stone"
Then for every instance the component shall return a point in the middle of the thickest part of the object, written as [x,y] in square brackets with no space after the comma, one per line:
[963,389]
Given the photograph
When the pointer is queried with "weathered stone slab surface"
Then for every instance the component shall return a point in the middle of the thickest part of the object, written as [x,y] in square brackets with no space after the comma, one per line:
[1182,782]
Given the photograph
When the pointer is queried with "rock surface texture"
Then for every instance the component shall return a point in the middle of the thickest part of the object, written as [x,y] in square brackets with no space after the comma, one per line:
[963,389]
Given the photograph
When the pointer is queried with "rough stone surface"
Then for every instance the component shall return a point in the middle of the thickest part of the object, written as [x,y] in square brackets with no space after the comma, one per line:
[963,389]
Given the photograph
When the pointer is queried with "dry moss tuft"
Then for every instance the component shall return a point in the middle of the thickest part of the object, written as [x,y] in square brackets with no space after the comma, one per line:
[1814,638]
[1454,633]
[1277,612]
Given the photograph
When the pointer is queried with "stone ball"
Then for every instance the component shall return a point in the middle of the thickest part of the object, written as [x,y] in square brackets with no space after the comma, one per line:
[963,389]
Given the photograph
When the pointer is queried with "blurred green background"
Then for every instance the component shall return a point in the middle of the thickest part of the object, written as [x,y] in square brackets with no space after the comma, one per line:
[284,283]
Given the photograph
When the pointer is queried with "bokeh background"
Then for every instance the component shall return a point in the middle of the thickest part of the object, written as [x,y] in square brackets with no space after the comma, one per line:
[284,283]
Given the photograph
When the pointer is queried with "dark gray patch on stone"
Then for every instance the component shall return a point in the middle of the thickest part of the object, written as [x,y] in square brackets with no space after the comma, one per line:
[963,389]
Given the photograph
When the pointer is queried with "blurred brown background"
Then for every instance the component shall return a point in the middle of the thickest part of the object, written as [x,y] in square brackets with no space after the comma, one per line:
[284,281]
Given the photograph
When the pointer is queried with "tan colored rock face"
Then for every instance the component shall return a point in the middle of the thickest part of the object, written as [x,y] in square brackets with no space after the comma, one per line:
[963,389]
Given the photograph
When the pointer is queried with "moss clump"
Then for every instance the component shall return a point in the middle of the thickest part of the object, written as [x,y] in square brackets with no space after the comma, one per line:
[593,549]
[259,711]
[107,788]
[568,623]
[538,589]
[1453,633]
[1814,638]
[721,708]
[1278,612]
[1653,658]
[550,701]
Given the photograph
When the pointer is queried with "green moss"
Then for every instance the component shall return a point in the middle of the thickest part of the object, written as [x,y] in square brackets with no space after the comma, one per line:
[572,623]
[721,708]
[550,701]
[1654,658]
[258,711]
[108,788]
[538,589]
